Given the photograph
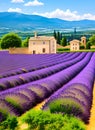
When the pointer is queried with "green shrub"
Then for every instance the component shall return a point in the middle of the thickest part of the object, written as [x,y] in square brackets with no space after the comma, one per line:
[44,120]
[3,115]
[25,42]
[9,124]
[82,47]
[88,45]
[63,49]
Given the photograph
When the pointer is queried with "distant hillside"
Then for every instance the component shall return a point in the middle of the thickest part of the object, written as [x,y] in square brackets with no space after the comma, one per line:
[23,22]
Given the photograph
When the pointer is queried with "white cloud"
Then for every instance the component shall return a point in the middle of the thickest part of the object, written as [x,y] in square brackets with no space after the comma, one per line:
[66,15]
[17,1]
[34,3]
[89,16]
[15,10]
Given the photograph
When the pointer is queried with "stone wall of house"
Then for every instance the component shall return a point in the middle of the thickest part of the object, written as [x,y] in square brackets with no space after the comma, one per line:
[18,50]
[36,47]
[74,45]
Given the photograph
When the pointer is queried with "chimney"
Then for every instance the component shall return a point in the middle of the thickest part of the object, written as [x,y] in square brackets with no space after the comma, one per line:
[35,33]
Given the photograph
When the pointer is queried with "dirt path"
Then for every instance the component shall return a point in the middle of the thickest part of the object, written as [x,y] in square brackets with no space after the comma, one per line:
[91,125]
[38,106]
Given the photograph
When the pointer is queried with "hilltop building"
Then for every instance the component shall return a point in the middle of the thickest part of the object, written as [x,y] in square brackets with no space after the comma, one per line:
[42,45]
[75,44]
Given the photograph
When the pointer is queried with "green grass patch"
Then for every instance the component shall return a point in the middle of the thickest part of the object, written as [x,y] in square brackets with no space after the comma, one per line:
[62,49]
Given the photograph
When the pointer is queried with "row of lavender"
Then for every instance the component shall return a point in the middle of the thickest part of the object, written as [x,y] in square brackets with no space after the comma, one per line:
[21,98]
[76,96]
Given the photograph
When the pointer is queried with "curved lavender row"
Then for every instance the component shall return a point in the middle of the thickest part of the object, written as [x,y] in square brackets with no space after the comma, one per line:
[8,108]
[39,74]
[42,88]
[78,88]
[21,100]
[30,66]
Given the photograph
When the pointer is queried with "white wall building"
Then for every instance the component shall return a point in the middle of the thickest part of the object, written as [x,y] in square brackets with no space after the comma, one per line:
[74,45]
[42,45]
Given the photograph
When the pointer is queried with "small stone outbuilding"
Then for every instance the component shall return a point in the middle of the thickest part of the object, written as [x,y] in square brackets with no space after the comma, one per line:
[74,45]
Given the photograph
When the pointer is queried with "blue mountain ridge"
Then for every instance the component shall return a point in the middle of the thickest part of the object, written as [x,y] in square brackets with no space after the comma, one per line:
[19,21]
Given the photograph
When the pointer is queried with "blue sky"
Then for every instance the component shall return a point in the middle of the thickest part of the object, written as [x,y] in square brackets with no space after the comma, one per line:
[63,9]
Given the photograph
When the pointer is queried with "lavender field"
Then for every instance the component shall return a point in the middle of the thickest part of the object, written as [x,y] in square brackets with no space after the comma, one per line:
[64,80]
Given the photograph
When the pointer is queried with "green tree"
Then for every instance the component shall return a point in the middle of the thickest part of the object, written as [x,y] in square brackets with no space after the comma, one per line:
[82,47]
[55,35]
[88,45]
[25,42]
[64,41]
[92,40]
[10,40]
[0,42]
[58,37]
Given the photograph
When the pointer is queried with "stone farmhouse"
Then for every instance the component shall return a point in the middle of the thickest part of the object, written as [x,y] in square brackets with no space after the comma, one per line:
[75,44]
[42,45]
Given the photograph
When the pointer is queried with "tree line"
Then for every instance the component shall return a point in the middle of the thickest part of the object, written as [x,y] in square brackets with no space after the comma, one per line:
[60,39]
[14,40]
